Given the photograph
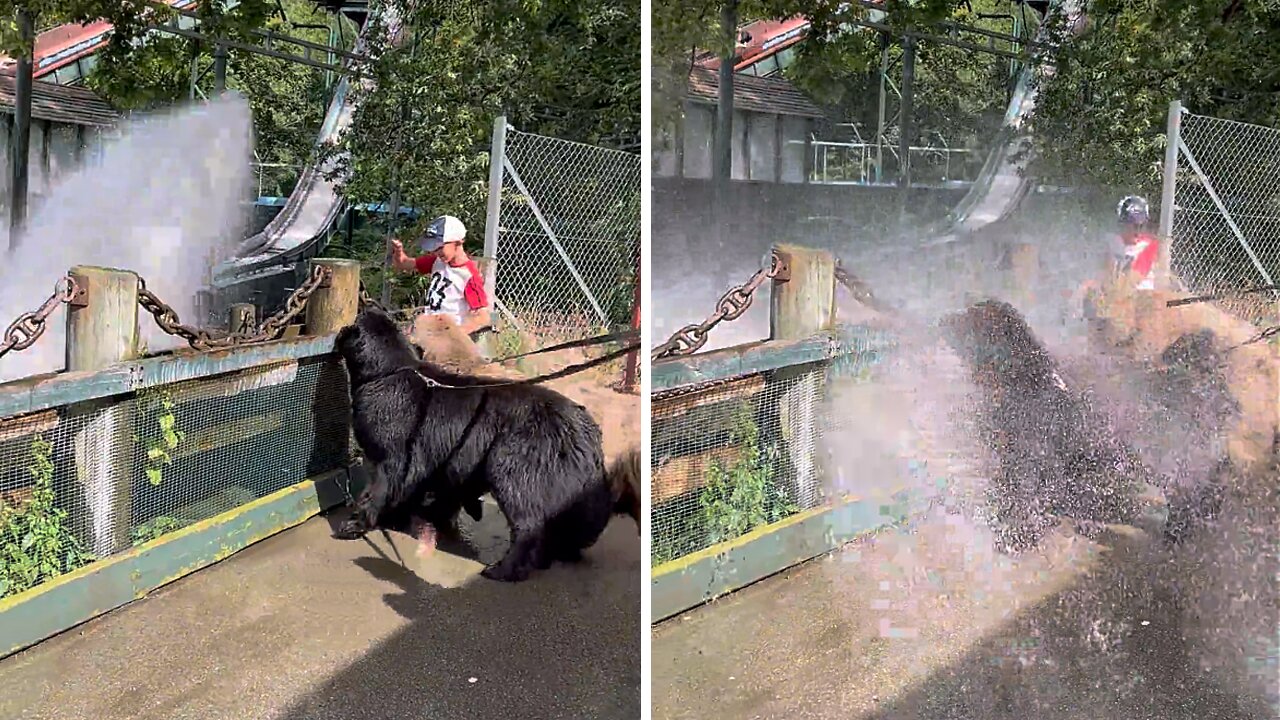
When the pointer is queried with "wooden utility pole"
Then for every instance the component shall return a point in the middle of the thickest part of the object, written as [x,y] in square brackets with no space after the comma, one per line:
[905,125]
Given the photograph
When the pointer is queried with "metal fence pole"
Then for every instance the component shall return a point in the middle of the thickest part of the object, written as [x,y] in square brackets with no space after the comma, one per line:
[1168,195]
[20,140]
[493,215]
[630,377]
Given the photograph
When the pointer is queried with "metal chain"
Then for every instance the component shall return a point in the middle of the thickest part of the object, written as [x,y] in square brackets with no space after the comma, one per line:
[23,332]
[690,338]
[295,303]
[366,299]
[206,339]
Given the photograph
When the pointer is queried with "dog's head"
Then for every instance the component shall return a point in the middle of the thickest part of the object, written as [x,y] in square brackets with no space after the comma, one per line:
[996,343]
[373,346]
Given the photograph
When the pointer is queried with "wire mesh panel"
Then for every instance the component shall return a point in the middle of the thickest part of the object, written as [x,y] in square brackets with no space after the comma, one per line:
[1226,220]
[90,480]
[569,244]
[738,454]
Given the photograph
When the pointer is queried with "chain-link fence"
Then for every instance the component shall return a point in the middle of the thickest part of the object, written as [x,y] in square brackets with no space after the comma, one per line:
[743,452]
[86,481]
[1225,223]
[568,239]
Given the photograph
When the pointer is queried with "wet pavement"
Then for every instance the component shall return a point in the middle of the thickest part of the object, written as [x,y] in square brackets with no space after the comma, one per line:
[929,623]
[303,627]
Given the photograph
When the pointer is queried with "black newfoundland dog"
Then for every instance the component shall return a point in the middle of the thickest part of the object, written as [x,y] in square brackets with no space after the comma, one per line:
[437,441]
[1056,456]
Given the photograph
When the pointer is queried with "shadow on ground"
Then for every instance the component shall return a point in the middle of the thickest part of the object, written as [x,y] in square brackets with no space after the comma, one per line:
[1119,642]
[550,647]
[920,627]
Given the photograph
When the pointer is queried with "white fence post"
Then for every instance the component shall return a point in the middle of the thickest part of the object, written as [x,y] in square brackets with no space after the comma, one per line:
[493,215]
[1169,194]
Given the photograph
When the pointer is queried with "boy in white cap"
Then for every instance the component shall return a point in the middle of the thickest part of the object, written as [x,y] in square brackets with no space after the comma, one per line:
[457,287]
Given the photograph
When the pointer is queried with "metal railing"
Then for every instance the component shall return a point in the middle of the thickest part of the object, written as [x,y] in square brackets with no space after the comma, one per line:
[862,163]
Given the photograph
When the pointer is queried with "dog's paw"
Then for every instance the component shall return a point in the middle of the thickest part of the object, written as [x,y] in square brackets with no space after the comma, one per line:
[350,530]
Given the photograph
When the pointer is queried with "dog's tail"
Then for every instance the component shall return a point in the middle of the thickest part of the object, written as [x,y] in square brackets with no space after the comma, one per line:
[623,477]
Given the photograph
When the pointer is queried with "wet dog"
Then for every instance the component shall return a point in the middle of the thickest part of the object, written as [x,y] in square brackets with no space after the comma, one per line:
[438,440]
[1058,456]
[1054,457]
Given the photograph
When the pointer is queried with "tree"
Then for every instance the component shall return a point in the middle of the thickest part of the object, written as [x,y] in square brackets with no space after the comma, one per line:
[1109,97]
[960,95]
[423,126]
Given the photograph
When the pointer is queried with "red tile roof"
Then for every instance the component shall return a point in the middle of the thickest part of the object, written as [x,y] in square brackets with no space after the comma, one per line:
[770,95]
[66,104]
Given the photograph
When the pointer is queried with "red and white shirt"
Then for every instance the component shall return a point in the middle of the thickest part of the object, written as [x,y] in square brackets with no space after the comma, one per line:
[1140,257]
[454,289]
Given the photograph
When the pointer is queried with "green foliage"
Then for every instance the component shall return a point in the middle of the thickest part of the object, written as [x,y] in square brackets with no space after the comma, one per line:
[153,529]
[554,67]
[1108,100]
[287,100]
[126,16]
[161,436]
[738,499]
[35,544]
[960,95]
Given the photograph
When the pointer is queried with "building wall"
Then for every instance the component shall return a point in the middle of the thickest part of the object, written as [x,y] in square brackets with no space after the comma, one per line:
[760,142]
[55,150]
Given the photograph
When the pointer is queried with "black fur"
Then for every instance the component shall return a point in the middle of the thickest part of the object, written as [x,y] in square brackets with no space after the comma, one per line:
[1055,458]
[435,449]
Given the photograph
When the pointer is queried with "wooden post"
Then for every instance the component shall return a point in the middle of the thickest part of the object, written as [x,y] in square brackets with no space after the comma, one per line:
[20,131]
[804,293]
[803,303]
[102,330]
[334,307]
[243,318]
[1021,265]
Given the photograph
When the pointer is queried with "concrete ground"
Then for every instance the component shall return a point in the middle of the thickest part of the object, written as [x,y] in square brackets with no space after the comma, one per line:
[928,623]
[301,626]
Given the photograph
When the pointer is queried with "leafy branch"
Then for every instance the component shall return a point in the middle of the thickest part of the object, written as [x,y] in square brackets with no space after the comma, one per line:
[35,544]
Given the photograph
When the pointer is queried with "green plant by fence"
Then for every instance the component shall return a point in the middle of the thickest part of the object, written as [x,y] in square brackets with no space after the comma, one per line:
[739,486]
[119,478]
[736,452]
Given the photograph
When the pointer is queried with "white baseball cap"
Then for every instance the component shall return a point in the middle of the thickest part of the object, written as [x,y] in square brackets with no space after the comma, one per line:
[444,229]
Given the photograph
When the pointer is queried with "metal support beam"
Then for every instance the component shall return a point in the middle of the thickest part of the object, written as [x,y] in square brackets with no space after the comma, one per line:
[269,37]
[722,165]
[219,69]
[906,126]
[1168,194]
[493,211]
[246,47]
[20,142]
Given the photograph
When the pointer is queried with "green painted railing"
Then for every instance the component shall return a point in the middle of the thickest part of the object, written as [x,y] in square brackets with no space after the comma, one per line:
[149,470]
[739,487]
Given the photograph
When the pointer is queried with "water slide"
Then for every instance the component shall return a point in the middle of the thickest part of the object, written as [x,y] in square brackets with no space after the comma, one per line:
[311,208]
[1001,185]
[269,256]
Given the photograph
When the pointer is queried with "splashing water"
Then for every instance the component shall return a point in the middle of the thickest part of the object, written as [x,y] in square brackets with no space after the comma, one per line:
[164,201]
